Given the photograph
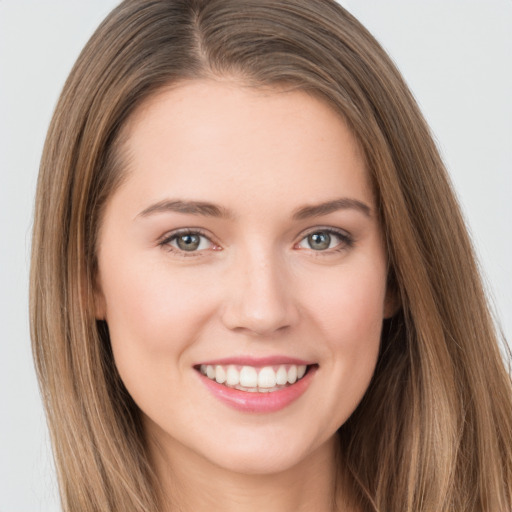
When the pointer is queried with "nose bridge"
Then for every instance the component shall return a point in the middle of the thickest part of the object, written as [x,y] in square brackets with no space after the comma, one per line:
[260,299]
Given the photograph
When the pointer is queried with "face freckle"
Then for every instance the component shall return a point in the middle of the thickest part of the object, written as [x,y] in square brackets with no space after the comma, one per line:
[243,237]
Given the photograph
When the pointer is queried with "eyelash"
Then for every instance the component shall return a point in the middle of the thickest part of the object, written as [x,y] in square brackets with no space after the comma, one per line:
[167,239]
[347,241]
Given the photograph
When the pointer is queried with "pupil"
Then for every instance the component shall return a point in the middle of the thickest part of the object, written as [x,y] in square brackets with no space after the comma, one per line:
[319,241]
[188,242]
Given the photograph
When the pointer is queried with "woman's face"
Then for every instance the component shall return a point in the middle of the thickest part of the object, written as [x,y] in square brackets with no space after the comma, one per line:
[243,244]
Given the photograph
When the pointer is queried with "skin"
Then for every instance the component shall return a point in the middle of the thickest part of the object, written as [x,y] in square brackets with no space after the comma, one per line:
[255,287]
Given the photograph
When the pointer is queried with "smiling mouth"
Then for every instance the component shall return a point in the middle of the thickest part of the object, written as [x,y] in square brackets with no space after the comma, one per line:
[252,379]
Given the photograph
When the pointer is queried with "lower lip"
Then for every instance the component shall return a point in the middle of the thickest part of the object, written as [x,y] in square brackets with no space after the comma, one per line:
[259,402]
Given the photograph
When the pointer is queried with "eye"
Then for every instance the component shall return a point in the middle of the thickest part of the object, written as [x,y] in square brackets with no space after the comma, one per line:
[325,239]
[187,241]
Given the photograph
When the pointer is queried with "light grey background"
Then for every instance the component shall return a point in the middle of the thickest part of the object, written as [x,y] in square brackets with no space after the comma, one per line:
[455,54]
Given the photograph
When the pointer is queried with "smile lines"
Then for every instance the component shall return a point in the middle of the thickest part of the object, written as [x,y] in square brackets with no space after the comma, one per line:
[252,379]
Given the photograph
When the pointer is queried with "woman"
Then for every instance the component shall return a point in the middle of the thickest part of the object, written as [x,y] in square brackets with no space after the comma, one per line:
[251,283]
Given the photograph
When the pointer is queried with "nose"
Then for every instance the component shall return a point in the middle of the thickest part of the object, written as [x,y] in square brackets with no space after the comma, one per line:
[259,296]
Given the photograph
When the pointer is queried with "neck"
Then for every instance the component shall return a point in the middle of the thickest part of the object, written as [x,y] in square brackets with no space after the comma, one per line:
[189,483]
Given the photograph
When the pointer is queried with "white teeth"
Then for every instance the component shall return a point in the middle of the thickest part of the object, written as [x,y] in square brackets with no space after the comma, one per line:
[220,374]
[233,376]
[292,374]
[249,378]
[267,377]
[281,376]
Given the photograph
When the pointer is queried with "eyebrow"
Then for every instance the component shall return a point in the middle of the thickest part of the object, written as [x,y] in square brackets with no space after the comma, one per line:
[187,207]
[206,209]
[343,203]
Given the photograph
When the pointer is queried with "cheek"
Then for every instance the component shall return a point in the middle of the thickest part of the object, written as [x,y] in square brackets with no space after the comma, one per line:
[153,318]
[348,312]
[349,306]
[151,313]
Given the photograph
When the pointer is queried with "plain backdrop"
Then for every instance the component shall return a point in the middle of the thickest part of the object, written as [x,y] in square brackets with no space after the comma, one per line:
[456,56]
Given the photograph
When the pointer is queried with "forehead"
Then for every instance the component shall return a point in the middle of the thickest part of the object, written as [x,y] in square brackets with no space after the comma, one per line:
[206,138]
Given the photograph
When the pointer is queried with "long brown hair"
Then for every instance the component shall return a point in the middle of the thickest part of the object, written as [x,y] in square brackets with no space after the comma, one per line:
[434,430]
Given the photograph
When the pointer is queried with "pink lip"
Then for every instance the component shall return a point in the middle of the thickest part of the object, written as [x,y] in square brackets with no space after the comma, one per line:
[259,402]
[257,362]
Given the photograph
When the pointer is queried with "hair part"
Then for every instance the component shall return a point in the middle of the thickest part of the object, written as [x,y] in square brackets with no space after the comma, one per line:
[434,430]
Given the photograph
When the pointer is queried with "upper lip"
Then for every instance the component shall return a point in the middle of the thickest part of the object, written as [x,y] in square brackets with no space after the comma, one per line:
[256,361]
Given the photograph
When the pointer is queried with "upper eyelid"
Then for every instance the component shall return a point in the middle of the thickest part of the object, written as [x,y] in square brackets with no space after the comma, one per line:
[184,231]
[164,242]
[329,229]
[347,240]
[170,235]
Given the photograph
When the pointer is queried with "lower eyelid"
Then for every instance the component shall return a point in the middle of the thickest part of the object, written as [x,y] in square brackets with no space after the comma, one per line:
[166,241]
[346,240]
[199,249]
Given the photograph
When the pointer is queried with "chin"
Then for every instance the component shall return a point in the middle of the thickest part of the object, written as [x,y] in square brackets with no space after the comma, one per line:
[268,455]
[259,462]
